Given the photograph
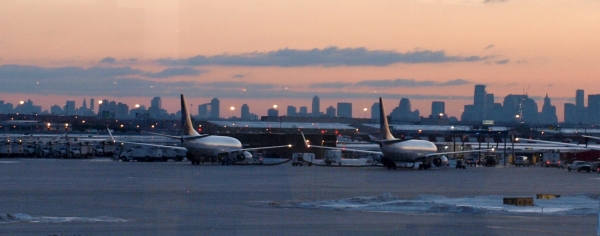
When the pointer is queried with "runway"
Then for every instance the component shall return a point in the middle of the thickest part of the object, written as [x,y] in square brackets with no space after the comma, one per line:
[104,197]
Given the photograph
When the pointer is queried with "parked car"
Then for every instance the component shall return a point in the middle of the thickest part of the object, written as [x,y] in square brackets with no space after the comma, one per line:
[579,166]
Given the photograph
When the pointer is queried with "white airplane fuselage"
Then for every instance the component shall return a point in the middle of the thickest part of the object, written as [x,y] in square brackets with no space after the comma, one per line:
[211,146]
[408,151]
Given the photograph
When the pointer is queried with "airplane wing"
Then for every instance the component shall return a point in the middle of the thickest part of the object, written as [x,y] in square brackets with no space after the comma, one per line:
[446,153]
[341,149]
[261,148]
[146,144]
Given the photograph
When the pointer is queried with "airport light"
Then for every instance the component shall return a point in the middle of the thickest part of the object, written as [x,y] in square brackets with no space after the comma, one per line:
[137,105]
[232,108]
[100,102]
[365,109]
[274,106]
[21,102]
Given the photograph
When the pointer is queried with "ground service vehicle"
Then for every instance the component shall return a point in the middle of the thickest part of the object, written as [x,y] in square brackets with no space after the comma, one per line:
[551,159]
[490,160]
[142,153]
[472,161]
[521,161]
[579,166]
[300,158]
[332,157]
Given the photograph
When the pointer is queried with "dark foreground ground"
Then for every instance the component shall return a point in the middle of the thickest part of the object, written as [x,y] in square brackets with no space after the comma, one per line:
[176,198]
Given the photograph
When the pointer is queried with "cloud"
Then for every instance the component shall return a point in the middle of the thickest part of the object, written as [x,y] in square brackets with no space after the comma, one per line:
[238,76]
[501,62]
[174,72]
[491,1]
[238,85]
[489,47]
[331,85]
[112,81]
[409,83]
[327,57]
[108,60]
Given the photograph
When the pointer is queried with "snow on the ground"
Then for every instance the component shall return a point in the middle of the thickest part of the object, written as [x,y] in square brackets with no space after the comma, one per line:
[565,205]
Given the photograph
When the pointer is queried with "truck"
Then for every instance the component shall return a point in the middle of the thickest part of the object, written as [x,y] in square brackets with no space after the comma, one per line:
[551,159]
[332,157]
[579,166]
[80,150]
[175,154]
[141,153]
[301,158]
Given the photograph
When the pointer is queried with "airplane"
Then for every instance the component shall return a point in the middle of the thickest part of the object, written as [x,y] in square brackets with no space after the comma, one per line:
[206,147]
[394,151]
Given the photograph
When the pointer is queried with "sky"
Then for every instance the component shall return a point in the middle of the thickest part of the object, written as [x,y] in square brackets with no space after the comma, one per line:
[269,52]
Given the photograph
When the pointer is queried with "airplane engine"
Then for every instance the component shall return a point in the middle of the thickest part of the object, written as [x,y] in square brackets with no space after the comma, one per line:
[440,161]
[245,155]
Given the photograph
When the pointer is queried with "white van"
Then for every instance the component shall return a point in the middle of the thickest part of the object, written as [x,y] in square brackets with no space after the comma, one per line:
[521,161]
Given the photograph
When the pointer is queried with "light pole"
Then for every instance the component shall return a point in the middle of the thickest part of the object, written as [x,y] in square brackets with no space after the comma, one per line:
[231,108]
[365,112]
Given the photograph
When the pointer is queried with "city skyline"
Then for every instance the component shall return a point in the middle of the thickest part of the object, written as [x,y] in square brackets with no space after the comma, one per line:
[259,52]
[514,108]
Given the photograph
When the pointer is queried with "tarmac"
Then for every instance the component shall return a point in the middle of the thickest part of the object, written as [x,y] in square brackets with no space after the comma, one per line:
[104,197]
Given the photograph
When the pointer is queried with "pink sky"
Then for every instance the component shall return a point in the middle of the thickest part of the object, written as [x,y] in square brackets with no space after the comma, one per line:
[539,46]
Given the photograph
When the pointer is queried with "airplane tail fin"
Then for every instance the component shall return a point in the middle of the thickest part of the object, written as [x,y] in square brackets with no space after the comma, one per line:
[383,121]
[186,120]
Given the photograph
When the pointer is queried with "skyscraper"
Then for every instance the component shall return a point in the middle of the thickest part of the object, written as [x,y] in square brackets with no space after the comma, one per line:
[579,98]
[593,108]
[437,108]
[291,111]
[92,105]
[330,111]
[69,108]
[479,102]
[245,112]
[344,109]
[548,114]
[155,107]
[215,110]
[375,110]
[316,106]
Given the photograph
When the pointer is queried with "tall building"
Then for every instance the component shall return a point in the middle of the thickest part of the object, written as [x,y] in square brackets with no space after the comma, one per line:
[521,105]
[204,111]
[375,110]
[155,108]
[69,108]
[593,109]
[548,114]
[83,105]
[579,98]
[215,109]
[316,106]
[245,112]
[291,111]
[303,111]
[330,111]
[479,102]
[581,112]
[569,113]
[404,111]
[92,105]
[344,109]
[272,112]
[437,108]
